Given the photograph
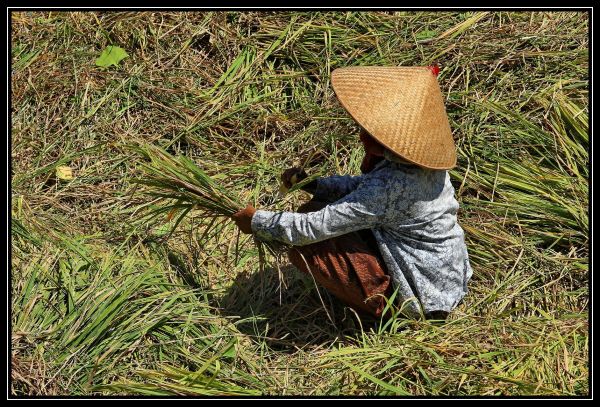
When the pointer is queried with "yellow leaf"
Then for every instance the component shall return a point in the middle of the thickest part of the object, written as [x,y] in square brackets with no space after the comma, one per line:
[65,173]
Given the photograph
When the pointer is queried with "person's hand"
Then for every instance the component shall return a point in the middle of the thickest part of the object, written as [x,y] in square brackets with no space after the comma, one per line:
[243,219]
[292,176]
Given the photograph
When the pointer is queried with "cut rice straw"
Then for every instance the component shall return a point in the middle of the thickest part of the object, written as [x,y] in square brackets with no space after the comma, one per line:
[179,185]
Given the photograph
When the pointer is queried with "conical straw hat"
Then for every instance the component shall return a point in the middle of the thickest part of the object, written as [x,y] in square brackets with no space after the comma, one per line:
[401,107]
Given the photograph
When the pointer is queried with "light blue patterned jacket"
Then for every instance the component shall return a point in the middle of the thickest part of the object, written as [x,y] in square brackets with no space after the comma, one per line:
[412,213]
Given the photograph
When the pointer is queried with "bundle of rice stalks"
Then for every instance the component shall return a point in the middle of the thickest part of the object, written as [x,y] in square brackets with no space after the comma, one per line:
[179,186]
[181,183]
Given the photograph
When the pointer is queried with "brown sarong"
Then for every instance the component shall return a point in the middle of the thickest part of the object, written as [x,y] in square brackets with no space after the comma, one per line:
[348,266]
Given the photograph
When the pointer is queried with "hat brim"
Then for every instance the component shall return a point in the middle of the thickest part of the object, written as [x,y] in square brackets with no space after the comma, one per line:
[402,108]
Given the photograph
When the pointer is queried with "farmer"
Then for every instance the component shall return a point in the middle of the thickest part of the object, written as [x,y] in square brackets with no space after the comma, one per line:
[394,228]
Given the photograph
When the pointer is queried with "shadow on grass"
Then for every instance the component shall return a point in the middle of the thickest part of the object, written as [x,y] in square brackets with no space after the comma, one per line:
[288,318]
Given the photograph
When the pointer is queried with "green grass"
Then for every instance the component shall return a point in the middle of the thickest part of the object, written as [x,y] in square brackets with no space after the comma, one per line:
[107,301]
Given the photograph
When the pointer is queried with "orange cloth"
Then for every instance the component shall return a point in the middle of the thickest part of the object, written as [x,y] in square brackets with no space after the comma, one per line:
[349,266]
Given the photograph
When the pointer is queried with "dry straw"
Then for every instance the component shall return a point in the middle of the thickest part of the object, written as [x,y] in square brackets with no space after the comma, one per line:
[179,186]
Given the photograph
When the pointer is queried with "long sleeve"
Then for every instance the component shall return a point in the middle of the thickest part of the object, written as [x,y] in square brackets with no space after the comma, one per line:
[330,189]
[363,208]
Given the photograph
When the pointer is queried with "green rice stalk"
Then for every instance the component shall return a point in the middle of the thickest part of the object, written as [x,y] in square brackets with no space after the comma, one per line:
[180,186]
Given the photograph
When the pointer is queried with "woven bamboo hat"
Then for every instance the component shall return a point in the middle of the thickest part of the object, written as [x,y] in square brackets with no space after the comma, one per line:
[401,107]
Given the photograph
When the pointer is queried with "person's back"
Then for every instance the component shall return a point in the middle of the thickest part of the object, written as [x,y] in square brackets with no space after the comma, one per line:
[420,239]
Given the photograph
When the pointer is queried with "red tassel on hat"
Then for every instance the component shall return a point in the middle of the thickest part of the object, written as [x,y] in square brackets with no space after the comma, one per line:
[435,69]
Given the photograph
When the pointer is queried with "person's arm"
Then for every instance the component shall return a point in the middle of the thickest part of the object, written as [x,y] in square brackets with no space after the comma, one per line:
[330,189]
[363,208]
[327,189]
